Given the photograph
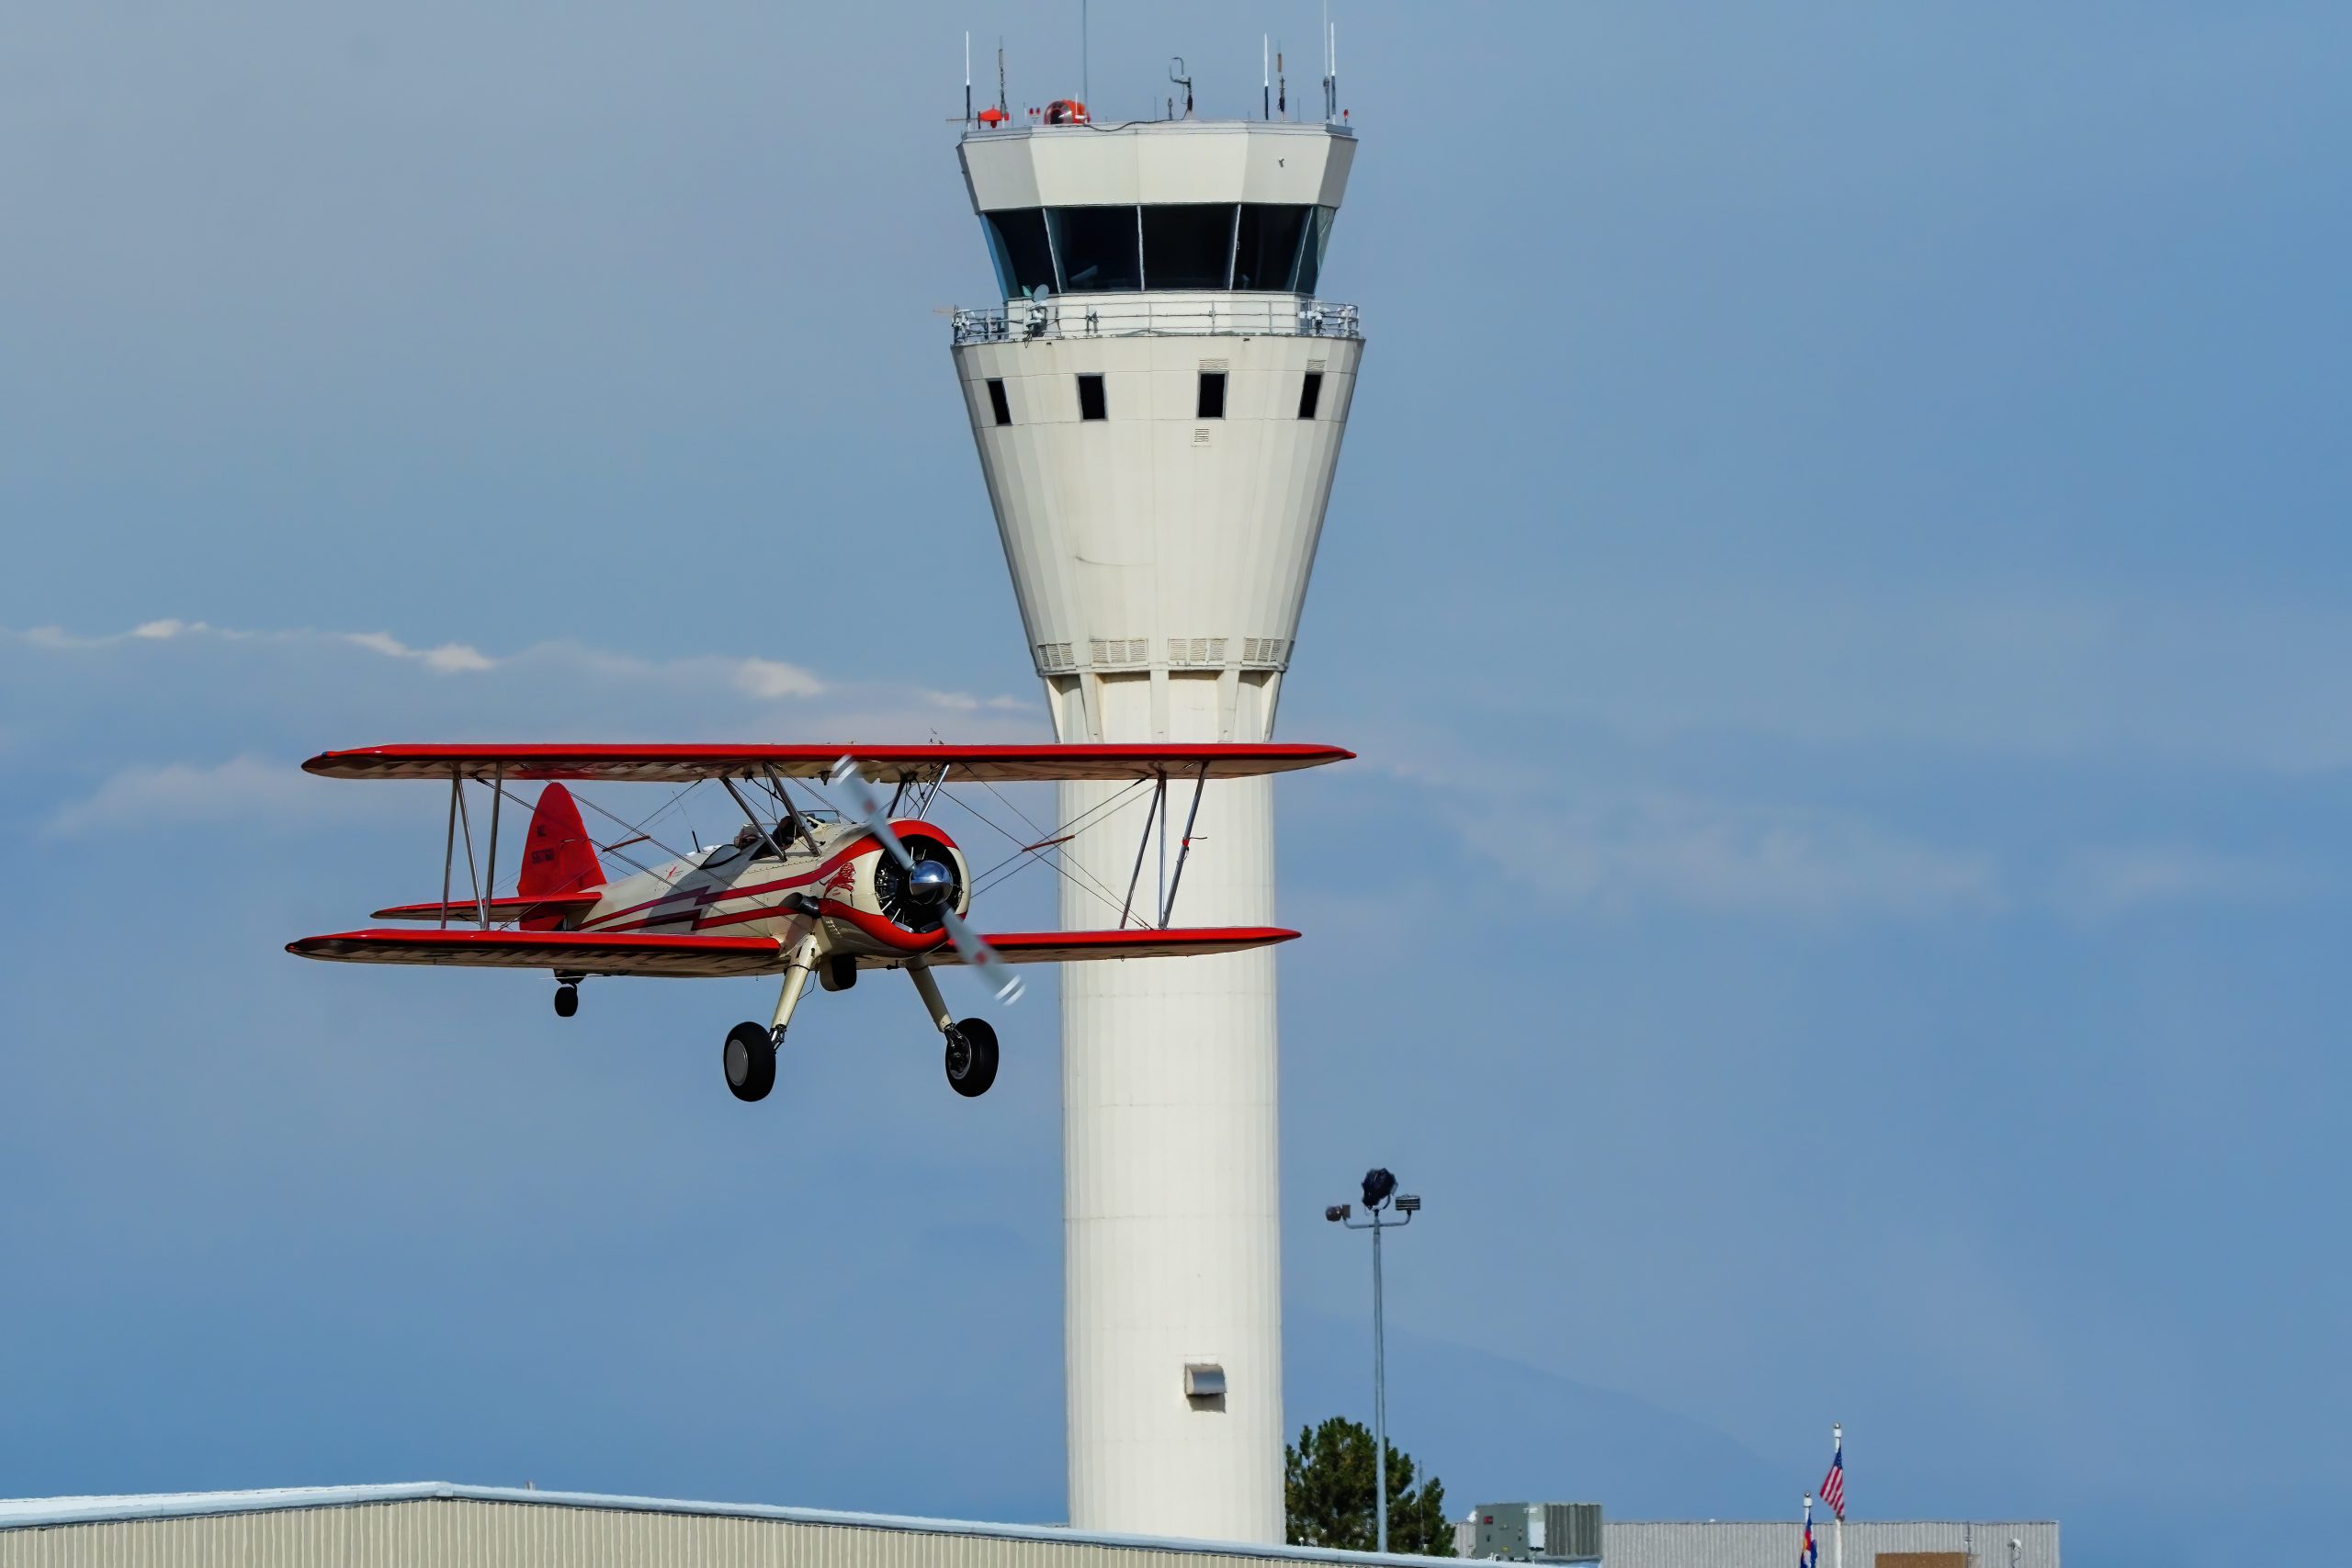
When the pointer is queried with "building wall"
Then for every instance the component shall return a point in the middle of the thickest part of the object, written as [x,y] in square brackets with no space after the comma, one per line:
[1774,1543]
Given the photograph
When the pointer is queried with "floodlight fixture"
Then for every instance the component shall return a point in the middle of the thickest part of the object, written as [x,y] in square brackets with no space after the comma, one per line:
[1379,1193]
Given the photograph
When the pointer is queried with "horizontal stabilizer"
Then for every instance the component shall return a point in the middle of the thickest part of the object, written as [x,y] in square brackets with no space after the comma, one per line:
[552,904]
[884,764]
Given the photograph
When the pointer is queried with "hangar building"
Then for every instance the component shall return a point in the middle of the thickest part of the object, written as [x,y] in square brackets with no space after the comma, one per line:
[434,1522]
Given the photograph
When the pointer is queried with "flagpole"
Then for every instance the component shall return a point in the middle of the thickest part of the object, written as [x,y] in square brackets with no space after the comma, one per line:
[1838,1529]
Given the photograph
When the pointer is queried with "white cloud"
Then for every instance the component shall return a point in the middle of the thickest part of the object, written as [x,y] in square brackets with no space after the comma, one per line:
[2260,685]
[772,681]
[964,702]
[183,792]
[2096,885]
[448,658]
[1656,846]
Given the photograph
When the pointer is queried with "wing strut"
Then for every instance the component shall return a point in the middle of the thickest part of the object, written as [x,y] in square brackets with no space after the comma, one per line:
[1158,803]
[795,825]
[490,876]
[761,827]
[1184,847]
[466,821]
[449,850]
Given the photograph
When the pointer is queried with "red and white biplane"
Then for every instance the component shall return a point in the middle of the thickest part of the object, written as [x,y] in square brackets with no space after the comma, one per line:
[800,891]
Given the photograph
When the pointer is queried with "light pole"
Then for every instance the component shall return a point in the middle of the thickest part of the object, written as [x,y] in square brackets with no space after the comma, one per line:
[1379,1191]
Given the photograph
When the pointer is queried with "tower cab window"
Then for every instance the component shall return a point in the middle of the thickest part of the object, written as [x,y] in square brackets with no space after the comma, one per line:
[996,404]
[1211,404]
[1091,401]
[1247,246]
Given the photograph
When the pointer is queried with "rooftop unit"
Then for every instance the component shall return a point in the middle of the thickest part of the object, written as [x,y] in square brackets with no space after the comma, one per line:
[1531,1532]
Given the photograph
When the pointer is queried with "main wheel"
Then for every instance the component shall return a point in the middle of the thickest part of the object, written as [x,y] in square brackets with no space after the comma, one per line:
[971,1057]
[749,1061]
[567,1000]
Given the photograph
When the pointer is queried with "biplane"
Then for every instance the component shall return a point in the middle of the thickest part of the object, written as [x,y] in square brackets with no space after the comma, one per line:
[801,890]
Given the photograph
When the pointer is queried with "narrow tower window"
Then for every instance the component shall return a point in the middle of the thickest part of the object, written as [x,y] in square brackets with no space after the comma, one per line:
[1310,394]
[1212,404]
[996,405]
[1089,398]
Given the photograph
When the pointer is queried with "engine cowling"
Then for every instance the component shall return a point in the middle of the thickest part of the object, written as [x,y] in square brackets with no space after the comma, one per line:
[912,900]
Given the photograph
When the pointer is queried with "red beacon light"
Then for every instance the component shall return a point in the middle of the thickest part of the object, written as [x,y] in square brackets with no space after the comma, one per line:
[1066,111]
[992,117]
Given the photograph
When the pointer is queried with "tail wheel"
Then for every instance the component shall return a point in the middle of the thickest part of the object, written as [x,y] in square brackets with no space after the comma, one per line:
[749,1060]
[567,999]
[971,1057]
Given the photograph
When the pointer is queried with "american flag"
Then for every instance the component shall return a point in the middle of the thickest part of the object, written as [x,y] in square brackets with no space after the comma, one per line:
[1833,1486]
[1811,1556]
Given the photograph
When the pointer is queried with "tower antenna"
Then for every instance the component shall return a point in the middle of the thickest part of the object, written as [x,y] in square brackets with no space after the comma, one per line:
[1085,56]
[1326,60]
[1003,104]
[1282,88]
[1265,76]
[967,76]
[1176,74]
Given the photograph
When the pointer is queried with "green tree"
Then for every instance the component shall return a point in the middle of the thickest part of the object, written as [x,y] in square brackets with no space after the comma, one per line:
[1327,1494]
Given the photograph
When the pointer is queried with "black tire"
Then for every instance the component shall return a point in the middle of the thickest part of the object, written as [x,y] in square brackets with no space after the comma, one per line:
[567,1000]
[971,1057]
[749,1062]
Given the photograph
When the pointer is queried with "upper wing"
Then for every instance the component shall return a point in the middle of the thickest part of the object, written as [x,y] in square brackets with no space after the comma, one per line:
[584,953]
[887,764]
[1077,947]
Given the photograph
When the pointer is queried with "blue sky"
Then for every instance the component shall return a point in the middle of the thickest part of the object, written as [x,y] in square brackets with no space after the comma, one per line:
[1836,578]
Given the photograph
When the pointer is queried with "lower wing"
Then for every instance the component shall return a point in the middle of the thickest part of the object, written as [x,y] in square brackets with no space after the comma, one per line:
[1079,947]
[698,957]
[580,952]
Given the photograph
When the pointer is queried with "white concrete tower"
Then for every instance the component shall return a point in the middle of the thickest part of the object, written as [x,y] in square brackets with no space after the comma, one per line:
[1158,410]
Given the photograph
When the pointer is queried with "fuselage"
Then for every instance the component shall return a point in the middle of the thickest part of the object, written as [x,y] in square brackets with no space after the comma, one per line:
[843,887]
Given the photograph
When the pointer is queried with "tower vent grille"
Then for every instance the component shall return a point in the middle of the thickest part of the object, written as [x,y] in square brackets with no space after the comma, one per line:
[1196,649]
[1118,650]
[1272,650]
[1054,658]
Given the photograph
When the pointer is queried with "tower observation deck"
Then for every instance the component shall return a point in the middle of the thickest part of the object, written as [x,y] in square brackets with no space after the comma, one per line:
[1159,402]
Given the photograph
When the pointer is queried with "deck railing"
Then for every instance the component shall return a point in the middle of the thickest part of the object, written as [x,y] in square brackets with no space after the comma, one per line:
[1279,315]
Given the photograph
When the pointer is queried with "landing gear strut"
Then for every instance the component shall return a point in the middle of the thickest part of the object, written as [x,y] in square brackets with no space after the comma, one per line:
[750,1058]
[970,1056]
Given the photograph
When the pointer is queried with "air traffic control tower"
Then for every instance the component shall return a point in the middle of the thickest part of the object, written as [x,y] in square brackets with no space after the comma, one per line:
[1158,406]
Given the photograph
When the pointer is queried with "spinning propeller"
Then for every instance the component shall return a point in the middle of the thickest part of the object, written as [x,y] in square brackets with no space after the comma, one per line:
[928,882]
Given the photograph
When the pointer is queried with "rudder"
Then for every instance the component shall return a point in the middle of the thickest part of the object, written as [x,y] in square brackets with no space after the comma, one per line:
[557,856]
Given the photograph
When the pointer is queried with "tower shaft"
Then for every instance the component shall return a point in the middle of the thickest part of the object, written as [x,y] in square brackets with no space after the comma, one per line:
[1158,412]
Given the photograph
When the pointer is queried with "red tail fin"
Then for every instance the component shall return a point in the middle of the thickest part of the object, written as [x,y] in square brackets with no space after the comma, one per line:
[557,856]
